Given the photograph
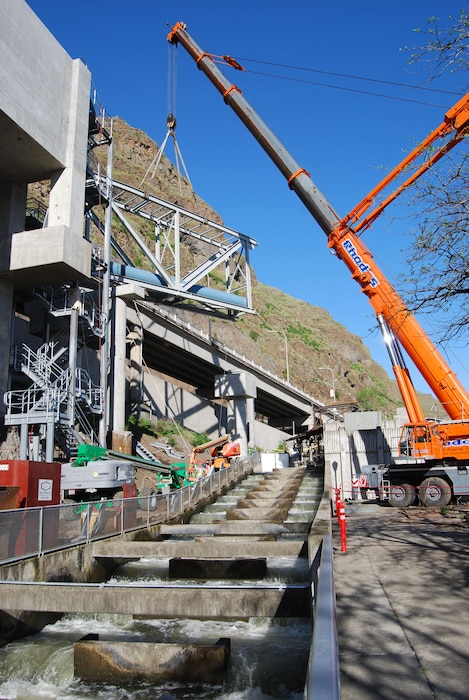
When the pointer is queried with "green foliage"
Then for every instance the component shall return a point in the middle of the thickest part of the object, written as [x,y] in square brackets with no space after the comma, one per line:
[217,278]
[375,398]
[438,51]
[270,307]
[137,426]
[149,233]
[254,335]
[139,261]
[437,255]
[166,427]
[356,367]
[306,334]
[117,224]
[199,439]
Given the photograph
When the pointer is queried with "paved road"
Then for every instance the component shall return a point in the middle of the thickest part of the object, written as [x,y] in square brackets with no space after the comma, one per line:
[402,605]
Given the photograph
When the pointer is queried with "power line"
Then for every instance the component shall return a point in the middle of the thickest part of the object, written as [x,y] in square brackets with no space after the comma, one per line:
[350,77]
[346,75]
[345,89]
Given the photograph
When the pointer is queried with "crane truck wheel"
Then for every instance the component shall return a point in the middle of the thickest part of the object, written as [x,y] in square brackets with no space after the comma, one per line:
[434,492]
[401,495]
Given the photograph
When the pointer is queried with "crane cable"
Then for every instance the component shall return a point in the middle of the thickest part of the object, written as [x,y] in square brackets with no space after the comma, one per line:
[172,79]
[171,126]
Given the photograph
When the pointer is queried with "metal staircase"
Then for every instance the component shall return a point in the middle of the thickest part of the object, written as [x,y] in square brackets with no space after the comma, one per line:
[142,451]
[59,299]
[47,401]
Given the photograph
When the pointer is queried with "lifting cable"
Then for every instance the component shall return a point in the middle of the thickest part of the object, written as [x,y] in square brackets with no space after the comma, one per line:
[171,127]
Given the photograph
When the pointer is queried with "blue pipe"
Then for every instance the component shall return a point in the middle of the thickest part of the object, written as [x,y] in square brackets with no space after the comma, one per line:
[135,273]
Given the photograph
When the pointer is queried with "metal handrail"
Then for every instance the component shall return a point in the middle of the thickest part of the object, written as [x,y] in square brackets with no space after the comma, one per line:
[323,675]
[171,505]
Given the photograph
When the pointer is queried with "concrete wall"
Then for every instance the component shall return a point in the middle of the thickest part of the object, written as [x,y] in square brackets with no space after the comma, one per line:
[166,400]
[44,108]
[346,451]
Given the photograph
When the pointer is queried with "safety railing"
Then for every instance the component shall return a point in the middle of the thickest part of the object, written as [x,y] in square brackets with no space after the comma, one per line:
[323,675]
[29,532]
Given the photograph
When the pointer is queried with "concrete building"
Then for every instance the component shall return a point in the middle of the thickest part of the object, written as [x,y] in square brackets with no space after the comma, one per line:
[78,355]
[44,108]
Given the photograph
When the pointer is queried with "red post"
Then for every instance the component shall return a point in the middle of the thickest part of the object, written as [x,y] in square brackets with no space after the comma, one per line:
[340,510]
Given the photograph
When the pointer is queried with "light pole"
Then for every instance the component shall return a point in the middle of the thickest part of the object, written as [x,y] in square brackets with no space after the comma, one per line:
[333,381]
[286,352]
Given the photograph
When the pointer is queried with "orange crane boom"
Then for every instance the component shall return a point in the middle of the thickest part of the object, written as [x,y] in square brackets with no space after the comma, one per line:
[389,307]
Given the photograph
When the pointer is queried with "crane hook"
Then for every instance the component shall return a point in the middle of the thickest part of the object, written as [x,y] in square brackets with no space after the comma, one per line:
[171,121]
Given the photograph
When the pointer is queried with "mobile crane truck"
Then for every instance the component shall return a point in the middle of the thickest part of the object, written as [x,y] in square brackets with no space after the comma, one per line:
[433,456]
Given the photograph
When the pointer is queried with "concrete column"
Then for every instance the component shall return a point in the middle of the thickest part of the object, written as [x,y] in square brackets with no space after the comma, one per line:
[231,419]
[250,423]
[240,414]
[237,388]
[67,195]
[12,216]
[136,361]
[119,383]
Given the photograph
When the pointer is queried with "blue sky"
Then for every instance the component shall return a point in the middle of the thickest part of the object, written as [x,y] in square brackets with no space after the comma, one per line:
[344,131]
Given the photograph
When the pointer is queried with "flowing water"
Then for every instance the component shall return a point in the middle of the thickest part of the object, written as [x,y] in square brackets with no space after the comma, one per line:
[268,657]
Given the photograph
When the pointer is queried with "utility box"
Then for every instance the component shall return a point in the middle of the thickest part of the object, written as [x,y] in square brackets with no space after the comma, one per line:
[362,420]
[38,482]
[271,461]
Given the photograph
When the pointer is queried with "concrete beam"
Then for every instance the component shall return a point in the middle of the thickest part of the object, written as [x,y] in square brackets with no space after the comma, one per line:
[207,602]
[53,254]
[235,528]
[211,547]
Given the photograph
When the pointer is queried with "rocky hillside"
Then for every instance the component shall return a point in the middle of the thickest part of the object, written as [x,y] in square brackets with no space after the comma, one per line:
[314,338]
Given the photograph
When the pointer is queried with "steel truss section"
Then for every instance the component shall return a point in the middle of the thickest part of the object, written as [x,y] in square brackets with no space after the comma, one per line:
[225,252]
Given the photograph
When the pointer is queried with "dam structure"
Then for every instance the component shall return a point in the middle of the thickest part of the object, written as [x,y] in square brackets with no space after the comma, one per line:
[89,337]
[245,553]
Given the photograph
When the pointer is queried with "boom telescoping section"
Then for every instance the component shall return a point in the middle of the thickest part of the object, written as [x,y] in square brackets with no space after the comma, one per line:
[392,313]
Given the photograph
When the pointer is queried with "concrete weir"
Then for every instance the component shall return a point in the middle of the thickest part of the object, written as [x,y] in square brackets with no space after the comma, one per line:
[102,661]
[204,602]
[216,571]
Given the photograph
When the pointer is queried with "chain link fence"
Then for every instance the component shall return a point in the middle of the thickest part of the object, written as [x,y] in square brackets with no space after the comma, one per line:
[28,532]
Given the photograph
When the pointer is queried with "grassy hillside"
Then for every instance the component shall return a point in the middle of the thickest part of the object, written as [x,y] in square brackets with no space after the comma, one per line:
[314,338]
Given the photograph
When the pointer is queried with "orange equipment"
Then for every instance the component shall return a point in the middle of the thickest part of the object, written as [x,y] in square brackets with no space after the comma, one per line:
[221,453]
[423,440]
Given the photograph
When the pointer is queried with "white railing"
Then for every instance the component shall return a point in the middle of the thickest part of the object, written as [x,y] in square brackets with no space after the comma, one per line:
[29,532]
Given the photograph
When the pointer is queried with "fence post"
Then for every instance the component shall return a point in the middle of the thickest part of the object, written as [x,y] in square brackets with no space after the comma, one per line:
[41,530]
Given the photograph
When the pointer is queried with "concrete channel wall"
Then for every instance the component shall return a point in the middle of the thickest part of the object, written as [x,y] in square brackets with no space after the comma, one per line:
[77,564]
[255,528]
